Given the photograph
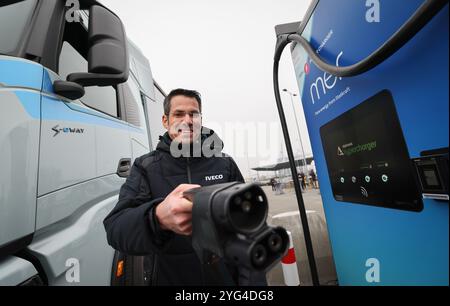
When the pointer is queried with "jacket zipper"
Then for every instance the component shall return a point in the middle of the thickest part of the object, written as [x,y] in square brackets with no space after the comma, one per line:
[188,168]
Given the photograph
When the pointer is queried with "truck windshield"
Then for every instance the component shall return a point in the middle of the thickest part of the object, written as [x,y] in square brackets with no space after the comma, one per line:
[14,19]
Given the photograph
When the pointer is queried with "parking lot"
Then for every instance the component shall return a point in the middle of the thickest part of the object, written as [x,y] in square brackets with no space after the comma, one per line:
[283,211]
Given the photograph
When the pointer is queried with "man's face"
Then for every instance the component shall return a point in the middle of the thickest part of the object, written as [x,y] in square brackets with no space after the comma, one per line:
[184,121]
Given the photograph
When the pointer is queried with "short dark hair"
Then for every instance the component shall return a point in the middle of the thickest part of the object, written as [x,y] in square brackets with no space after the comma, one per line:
[181,92]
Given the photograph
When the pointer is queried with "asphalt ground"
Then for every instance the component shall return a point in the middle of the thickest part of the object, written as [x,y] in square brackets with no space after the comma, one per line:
[283,211]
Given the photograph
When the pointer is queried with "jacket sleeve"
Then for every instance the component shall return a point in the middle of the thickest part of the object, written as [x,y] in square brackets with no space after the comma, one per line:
[236,174]
[131,227]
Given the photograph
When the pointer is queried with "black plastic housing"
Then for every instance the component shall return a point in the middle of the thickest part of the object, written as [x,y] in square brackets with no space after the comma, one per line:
[229,220]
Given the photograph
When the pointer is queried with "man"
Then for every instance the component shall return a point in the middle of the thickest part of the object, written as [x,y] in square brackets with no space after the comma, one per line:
[272,183]
[303,180]
[313,178]
[153,218]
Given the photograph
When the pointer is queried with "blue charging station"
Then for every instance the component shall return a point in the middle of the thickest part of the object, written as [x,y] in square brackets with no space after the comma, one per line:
[380,140]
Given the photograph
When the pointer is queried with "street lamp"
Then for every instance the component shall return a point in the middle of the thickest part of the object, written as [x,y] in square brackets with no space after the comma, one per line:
[298,129]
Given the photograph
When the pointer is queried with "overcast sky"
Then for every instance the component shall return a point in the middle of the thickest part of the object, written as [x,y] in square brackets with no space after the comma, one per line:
[224,49]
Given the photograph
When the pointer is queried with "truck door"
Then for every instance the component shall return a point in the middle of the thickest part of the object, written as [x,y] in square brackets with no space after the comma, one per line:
[84,158]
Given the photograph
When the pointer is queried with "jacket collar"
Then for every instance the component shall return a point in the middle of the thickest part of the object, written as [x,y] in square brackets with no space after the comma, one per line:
[208,140]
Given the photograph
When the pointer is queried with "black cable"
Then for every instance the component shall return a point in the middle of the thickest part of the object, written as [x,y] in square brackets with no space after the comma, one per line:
[298,192]
[407,31]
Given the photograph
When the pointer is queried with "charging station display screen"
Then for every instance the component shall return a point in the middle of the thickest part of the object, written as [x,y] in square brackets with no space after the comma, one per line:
[367,157]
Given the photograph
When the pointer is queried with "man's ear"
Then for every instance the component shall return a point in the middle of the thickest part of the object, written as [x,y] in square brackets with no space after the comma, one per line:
[165,122]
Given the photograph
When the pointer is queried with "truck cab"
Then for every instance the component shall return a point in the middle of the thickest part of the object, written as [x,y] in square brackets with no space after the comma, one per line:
[78,105]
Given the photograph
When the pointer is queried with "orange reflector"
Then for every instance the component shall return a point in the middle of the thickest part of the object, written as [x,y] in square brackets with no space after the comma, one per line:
[119,271]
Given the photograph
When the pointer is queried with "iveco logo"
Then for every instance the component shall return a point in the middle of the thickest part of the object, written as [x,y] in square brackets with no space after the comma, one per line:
[66,130]
[214,177]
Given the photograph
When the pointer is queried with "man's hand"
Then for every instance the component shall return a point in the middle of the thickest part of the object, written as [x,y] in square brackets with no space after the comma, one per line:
[175,212]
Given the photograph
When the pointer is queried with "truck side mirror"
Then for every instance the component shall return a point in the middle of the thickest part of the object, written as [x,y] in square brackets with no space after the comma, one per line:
[108,54]
[68,90]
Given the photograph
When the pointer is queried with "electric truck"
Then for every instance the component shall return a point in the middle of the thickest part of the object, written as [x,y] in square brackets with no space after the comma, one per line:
[78,105]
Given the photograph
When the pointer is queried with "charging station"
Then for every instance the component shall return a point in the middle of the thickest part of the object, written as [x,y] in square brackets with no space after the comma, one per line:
[380,138]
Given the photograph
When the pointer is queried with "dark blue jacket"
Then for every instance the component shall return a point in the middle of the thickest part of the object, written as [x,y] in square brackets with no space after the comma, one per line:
[133,229]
